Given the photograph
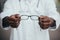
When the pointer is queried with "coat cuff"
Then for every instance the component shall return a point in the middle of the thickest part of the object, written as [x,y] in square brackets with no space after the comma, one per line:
[5,22]
[53,25]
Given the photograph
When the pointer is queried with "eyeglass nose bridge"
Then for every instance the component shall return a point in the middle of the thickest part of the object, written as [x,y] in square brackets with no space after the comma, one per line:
[28,17]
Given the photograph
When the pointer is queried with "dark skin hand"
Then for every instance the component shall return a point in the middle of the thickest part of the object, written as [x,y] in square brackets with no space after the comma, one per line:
[14,20]
[45,22]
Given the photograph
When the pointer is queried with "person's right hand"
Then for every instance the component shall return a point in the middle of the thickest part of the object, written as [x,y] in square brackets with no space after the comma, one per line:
[14,20]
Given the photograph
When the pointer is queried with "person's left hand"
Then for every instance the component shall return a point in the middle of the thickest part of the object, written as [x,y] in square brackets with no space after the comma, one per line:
[45,22]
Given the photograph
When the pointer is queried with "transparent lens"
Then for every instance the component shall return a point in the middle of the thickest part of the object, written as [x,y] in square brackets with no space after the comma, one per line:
[24,17]
[34,17]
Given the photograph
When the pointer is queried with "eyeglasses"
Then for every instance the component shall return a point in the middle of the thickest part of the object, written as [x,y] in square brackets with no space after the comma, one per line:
[26,17]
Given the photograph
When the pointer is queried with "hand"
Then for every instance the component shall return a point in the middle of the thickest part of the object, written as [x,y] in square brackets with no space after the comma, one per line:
[14,20]
[45,22]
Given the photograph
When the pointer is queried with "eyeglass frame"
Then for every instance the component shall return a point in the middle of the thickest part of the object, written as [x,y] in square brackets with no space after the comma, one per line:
[30,17]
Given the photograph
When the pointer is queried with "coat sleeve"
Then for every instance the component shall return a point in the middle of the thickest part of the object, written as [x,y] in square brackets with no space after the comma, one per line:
[51,10]
[11,7]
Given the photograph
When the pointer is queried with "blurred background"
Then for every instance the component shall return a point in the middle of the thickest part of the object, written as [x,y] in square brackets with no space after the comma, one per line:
[5,34]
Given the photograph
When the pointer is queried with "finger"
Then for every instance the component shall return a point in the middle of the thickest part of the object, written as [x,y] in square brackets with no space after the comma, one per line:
[51,22]
[17,16]
[46,22]
[43,18]
[45,25]
[12,17]
[11,22]
[40,18]
[15,24]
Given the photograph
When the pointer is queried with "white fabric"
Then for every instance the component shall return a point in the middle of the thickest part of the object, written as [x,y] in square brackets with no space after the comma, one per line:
[29,29]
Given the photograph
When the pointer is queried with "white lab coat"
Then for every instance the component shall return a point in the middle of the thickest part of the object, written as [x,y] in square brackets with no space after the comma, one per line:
[30,29]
